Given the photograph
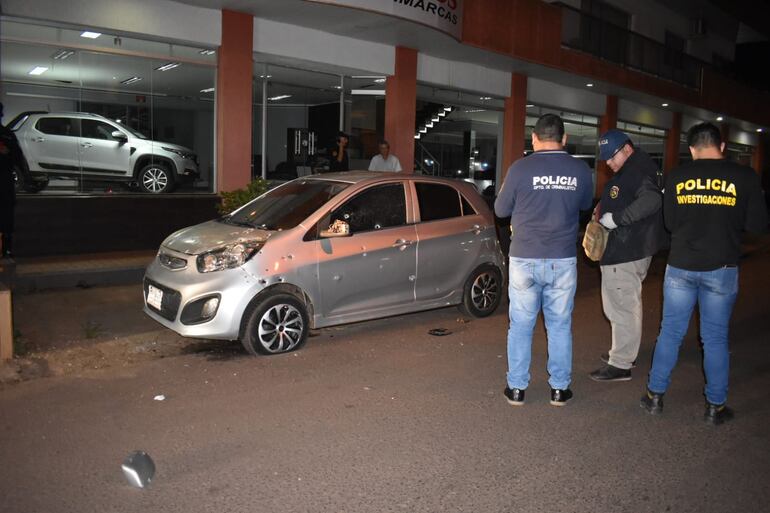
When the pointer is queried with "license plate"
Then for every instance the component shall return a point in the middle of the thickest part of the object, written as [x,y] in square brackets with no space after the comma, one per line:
[154,297]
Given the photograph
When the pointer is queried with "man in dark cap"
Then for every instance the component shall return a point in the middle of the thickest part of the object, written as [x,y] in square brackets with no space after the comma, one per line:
[630,208]
[10,158]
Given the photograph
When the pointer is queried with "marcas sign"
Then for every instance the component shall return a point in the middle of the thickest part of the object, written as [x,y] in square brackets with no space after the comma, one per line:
[444,15]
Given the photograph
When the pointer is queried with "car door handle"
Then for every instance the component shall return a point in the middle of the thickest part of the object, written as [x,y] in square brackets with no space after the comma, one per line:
[38,139]
[401,243]
[86,144]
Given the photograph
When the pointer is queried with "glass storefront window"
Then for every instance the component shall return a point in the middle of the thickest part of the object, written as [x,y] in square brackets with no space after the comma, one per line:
[457,135]
[110,114]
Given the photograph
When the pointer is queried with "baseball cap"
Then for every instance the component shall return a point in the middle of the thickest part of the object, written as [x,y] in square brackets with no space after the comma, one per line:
[610,143]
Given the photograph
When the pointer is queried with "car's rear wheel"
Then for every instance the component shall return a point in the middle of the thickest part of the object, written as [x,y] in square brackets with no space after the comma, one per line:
[483,292]
[156,179]
[278,324]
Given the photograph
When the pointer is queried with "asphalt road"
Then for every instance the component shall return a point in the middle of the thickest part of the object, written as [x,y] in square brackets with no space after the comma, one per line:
[381,416]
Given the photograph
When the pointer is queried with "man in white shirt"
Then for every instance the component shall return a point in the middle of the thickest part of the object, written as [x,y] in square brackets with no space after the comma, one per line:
[384,161]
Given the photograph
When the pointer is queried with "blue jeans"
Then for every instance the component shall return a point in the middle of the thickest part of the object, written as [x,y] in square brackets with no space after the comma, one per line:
[715,293]
[550,284]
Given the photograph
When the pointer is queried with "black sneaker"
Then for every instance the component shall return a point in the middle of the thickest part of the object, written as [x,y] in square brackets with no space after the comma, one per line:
[611,373]
[652,402]
[717,414]
[515,396]
[605,357]
[560,397]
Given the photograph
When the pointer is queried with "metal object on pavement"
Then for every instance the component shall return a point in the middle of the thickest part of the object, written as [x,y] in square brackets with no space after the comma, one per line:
[139,469]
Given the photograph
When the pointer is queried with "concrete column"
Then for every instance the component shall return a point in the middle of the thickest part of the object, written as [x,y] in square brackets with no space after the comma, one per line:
[234,101]
[672,143]
[401,107]
[514,123]
[608,121]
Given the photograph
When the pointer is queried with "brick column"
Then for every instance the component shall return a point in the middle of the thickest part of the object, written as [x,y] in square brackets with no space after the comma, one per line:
[608,121]
[234,101]
[758,156]
[401,107]
[514,122]
[672,143]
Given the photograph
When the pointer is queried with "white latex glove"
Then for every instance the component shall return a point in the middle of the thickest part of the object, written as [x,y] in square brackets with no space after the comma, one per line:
[607,221]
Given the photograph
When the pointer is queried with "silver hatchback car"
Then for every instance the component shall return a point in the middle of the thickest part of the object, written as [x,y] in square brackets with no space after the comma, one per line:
[325,250]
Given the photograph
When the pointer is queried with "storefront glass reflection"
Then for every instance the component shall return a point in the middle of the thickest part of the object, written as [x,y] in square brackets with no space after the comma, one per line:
[108,115]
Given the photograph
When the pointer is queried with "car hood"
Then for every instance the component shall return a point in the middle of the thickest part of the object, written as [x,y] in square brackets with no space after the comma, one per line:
[211,235]
[171,146]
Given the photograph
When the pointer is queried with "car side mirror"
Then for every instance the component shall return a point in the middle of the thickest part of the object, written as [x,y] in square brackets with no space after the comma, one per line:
[119,136]
[328,234]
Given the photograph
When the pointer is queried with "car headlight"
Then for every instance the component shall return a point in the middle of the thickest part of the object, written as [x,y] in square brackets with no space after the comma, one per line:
[228,257]
[184,154]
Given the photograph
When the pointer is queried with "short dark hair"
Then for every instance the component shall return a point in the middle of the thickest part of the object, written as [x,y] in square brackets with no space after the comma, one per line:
[386,143]
[704,135]
[549,127]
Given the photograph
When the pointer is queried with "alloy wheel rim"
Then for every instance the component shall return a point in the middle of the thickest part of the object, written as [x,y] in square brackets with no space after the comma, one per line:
[484,291]
[155,179]
[280,328]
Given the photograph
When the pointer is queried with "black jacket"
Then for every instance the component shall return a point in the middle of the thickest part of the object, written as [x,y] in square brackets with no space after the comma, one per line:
[635,201]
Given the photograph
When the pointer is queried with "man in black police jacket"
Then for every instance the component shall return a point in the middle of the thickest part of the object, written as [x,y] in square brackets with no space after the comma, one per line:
[630,208]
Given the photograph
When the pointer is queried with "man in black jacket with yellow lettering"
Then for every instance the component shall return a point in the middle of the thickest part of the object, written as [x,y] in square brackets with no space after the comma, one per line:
[707,204]
[630,207]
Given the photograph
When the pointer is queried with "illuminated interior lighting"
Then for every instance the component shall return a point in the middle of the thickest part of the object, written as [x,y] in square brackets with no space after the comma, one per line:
[168,66]
[38,70]
[90,35]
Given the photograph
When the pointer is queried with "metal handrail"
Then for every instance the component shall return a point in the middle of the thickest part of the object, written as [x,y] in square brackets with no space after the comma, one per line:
[435,168]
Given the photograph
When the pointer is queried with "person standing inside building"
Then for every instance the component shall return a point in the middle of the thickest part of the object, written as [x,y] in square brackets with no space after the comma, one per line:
[631,209]
[338,157]
[10,158]
[384,161]
[706,206]
[543,194]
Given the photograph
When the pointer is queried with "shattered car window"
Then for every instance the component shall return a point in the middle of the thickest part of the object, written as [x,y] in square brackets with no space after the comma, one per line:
[380,207]
[286,206]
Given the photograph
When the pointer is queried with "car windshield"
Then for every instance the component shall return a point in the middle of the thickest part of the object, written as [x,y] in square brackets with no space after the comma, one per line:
[132,131]
[286,206]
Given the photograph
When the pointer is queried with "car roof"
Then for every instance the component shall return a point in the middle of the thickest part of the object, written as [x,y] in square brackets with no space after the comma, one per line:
[68,114]
[355,177]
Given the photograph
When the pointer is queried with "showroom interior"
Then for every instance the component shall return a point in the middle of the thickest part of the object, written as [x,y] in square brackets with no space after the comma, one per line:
[260,89]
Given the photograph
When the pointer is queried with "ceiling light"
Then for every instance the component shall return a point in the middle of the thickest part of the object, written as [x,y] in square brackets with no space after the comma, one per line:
[589,84]
[720,118]
[266,76]
[530,105]
[208,90]
[379,81]
[448,108]
[484,98]
[90,35]
[369,92]
[131,80]
[207,52]
[168,66]
[337,87]
[38,70]
[279,97]
[664,104]
[62,54]
[760,130]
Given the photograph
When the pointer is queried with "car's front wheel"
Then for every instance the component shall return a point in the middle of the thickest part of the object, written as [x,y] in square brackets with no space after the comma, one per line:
[278,324]
[483,292]
[156,179]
